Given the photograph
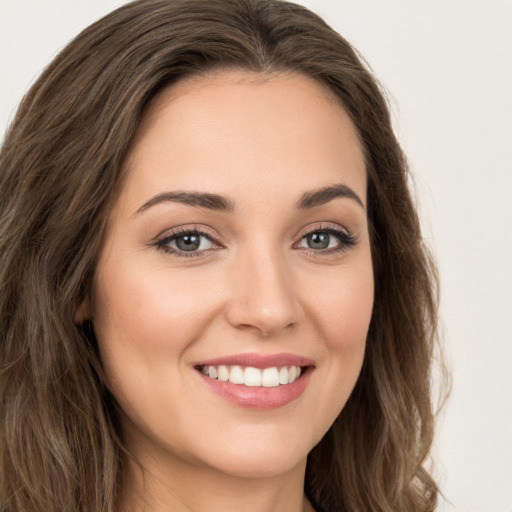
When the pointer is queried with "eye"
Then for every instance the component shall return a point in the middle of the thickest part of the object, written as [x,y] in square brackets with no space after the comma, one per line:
[186,243]
[327,240]
[319,240]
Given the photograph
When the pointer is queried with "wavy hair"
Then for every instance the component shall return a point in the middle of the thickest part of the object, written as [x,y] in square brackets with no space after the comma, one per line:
[60,168]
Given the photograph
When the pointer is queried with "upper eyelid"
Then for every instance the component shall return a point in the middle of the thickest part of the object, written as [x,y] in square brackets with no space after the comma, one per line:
[180,230]
[323,226]
[339,231]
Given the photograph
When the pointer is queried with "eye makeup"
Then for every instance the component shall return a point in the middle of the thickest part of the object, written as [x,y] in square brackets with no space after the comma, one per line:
[187,242]
[318,241]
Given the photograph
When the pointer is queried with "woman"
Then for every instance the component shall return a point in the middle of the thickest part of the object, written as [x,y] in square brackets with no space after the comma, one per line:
[215,293]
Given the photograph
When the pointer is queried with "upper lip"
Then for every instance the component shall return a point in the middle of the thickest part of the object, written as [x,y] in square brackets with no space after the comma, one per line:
[257,360]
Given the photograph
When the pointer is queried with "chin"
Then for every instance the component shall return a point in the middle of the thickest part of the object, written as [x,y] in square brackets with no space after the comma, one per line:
[262,455]
[256,466]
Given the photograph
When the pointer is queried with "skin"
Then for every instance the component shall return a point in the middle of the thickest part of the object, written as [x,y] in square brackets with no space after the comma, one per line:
[255,285]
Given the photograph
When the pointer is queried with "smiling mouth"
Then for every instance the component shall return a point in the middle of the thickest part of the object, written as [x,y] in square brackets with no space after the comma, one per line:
[250,376]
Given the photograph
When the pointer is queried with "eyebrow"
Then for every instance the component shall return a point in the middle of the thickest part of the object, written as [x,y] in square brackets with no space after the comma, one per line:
[220,203]
[200,199]
[326,194]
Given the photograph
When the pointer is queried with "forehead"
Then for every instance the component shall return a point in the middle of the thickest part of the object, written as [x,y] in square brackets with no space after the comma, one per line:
[236,83]
[233,129]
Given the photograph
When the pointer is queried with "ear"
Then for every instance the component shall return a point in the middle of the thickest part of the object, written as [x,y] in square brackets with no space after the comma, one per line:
[83,312]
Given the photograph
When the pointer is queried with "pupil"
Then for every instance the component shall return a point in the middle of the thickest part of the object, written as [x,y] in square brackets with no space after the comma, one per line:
[318,240]
[188,242]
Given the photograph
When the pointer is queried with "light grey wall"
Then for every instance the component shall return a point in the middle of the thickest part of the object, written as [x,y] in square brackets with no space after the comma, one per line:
[447,67]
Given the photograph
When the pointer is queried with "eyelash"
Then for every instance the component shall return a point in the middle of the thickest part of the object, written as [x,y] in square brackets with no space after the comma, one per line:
[346,241]
[163,242]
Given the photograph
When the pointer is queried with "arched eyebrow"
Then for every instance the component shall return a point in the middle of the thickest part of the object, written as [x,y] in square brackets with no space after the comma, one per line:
[224,204]
[326,194]
[200,199]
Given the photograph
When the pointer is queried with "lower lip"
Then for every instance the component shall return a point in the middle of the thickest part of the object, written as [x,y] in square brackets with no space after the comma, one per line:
[259,398]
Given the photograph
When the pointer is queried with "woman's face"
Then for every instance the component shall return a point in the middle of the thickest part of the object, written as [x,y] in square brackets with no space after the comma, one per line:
[238,247]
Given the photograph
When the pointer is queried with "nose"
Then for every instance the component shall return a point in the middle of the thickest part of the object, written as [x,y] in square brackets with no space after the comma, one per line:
[263,296]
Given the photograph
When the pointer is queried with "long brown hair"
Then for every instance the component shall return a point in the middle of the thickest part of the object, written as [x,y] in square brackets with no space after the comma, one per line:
[60,166]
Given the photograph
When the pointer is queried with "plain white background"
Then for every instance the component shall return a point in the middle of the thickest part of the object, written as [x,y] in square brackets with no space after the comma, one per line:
[447,67]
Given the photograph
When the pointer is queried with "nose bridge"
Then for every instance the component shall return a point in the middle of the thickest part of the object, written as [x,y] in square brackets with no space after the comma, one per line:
[263,295]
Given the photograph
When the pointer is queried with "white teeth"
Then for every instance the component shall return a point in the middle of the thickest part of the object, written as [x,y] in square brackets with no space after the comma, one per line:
[270,378]
[223,373]
[253,377]
[236,375]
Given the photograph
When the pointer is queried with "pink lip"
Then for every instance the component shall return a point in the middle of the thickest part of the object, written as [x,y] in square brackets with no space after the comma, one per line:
[259,398]
[257,360]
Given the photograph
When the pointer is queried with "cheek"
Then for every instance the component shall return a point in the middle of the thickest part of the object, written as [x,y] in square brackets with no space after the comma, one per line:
[144,321]
[146,307]
[344,309]
[342,314]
